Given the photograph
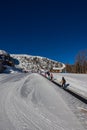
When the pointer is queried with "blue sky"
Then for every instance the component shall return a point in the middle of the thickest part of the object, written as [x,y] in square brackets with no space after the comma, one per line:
[56,29]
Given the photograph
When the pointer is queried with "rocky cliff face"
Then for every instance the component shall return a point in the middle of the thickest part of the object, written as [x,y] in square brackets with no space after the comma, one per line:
[5,60]
[1,68]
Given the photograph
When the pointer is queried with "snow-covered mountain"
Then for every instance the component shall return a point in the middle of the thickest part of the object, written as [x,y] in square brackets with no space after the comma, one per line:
[36,63]
[28,63]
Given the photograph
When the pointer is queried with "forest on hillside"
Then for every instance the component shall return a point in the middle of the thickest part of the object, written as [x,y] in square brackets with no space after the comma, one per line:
[80,64]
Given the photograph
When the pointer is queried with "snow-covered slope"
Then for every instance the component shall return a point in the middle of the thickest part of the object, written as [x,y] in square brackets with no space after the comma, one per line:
[31,102]
[28,62]
[77,82]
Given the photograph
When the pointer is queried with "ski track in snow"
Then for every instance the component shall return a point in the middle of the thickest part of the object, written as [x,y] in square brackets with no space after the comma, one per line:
[29,102]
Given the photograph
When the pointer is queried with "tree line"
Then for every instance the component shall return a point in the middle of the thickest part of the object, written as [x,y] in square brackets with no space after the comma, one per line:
[80,64]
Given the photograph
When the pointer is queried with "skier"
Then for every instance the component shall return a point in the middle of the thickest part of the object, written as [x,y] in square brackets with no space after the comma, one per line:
[51,76]
[63,82]
[48,73]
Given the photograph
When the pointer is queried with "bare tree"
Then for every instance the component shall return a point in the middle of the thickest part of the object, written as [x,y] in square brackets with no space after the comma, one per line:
[81,62]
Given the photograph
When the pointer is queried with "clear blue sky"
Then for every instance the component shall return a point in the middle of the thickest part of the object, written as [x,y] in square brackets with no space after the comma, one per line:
[56,29]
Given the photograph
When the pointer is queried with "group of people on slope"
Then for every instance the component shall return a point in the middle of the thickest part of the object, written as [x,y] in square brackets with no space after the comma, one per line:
[50,76]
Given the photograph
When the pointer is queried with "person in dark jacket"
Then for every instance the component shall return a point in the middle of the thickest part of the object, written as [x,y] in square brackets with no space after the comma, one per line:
[63,82]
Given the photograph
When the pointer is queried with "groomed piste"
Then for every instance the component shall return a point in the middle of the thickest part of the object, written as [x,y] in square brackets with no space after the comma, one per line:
[30,102]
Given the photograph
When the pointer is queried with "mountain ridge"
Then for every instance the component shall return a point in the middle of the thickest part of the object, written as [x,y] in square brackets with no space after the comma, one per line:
[27,63]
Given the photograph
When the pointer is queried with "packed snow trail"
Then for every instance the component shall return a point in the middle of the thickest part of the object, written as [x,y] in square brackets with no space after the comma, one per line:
[30,102]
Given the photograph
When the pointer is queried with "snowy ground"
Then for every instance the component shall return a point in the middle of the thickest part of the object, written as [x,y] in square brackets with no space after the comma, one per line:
[30,102]
[77,82]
